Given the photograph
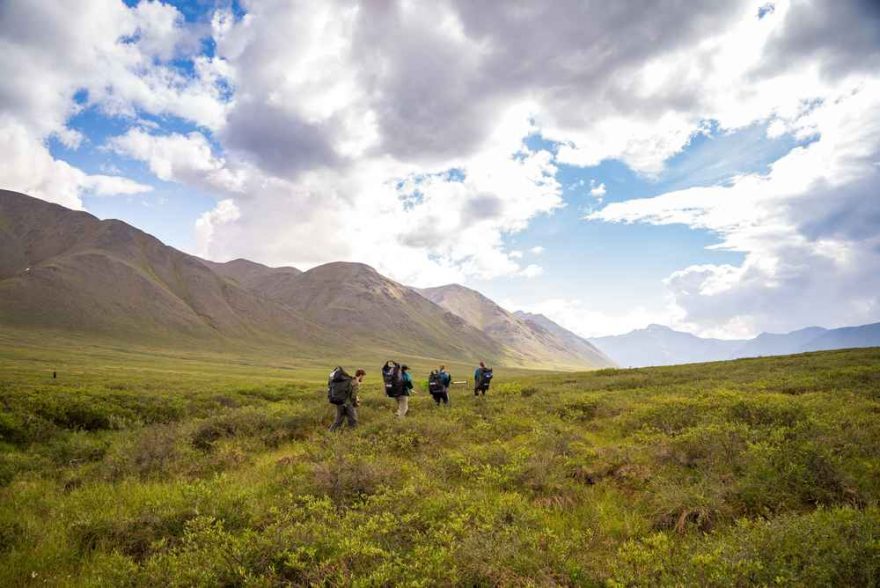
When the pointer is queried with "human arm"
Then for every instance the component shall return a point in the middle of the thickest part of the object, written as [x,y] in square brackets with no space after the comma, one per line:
[355,389]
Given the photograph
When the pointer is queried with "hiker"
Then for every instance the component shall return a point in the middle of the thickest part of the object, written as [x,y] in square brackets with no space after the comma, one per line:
[342,390]
[482,379]
[398,383]
[438,385]
[403,399]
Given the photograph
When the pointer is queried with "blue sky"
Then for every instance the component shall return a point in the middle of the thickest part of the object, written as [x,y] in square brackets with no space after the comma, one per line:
[610,172]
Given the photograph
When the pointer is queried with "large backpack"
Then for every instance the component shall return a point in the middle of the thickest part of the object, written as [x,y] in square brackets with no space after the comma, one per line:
[393,379]
[338,386]
[435,383]
[485,378]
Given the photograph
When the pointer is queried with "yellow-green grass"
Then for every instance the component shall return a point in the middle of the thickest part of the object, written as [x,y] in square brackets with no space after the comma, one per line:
[137,466]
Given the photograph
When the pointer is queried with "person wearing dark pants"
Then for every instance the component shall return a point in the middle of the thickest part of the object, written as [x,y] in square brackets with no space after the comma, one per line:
[482,375]
[348,409]
[445,379]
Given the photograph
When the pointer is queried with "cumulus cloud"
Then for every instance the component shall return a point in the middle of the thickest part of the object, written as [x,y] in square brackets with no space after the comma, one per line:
[808,229]
[114,58]
[28,167]
[180,158]
[225,212]
[345,109]
[360,111]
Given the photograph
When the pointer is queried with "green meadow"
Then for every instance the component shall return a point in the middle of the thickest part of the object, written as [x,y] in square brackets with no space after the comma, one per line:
[138,467]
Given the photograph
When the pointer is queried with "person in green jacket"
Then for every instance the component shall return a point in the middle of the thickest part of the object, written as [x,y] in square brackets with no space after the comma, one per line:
[348,409]
[403,399]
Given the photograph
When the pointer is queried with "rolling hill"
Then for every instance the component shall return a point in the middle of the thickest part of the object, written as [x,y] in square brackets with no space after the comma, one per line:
[355,299]
[64,269]
[568,340]
[534,339]
[67,270]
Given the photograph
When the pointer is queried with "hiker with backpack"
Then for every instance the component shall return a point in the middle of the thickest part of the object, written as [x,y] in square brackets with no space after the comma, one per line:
[342,391]
[438,385]
[403,399]
[398,383]
[482,379]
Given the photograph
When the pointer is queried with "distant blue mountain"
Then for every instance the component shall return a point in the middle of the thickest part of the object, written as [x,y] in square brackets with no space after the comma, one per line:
[845,338]
[660,345]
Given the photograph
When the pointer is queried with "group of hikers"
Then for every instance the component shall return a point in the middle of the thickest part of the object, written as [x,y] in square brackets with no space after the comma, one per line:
[343,389]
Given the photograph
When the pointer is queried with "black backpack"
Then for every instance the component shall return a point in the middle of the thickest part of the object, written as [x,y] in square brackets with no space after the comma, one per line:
[485,378]
[435,383]
[393,379]
[338,386]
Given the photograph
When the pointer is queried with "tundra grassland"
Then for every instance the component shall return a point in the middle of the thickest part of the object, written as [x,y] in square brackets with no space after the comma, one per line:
[140,469]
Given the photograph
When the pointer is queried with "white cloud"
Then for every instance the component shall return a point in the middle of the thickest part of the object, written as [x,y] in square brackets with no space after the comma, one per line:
[225,212]
[101,185]
[336,104]
[28,167]
[422,228]
[359,112]
[531,271]
[808,229]
[115,55]
[179,158]
[536,250]
[597,191]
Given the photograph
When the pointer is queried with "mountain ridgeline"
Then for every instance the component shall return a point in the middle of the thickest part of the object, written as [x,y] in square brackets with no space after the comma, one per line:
[535,339]
[660,345]
[65,270]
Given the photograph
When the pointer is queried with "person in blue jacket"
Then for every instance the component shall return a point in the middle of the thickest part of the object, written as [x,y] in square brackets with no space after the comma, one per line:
[444,378]
[481,383]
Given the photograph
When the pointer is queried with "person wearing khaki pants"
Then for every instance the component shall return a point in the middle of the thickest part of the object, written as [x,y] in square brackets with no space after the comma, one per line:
[403,399]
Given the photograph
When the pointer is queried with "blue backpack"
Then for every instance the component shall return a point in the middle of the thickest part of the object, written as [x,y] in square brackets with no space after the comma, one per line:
[435,383]
[485,378]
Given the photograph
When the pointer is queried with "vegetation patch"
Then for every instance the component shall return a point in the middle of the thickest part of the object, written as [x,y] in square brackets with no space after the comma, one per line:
[755,472]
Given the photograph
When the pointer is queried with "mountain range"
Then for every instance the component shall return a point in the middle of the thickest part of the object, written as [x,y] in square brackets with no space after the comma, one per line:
[66,270]
[660,345]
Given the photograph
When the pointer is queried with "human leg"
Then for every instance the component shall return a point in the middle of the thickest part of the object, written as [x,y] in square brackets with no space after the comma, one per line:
[340,416]
[402,405]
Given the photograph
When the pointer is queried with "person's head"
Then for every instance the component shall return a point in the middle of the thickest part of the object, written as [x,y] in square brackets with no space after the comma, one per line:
[442,368]
[482,365]
[404,368]
[360,374]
